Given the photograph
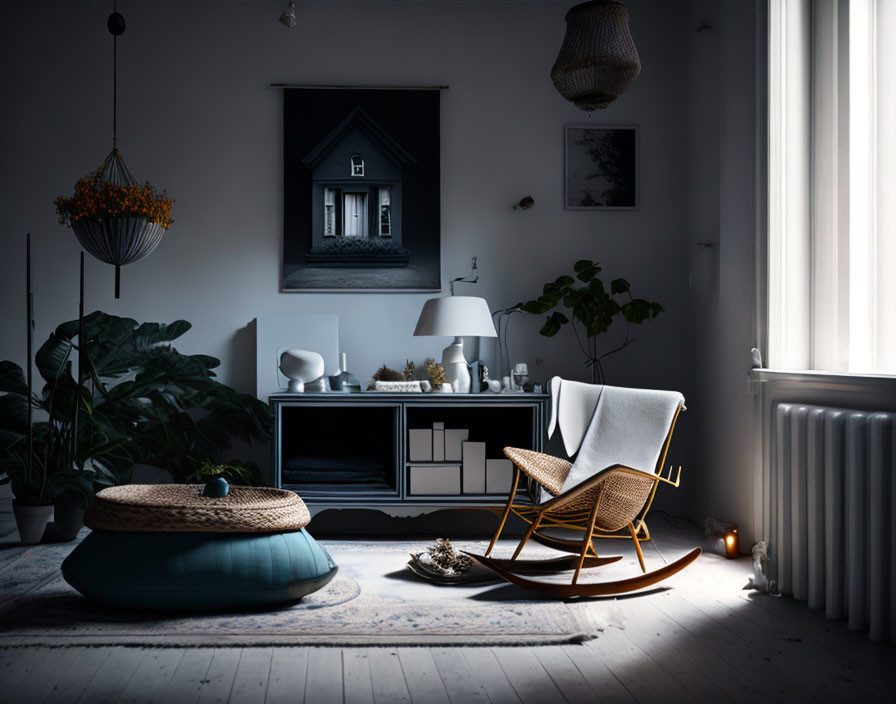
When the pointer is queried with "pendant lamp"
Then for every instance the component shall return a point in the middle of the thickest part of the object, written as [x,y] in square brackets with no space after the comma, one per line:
[115,218]
[598,60]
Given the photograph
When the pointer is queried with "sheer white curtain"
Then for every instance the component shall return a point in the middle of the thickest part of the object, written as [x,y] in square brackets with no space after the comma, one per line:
[832,185]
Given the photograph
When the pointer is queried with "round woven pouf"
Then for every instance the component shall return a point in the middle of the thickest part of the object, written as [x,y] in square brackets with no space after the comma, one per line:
[168,547]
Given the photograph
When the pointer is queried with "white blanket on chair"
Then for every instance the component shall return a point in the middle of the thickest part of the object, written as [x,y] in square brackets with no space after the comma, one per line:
[627,426]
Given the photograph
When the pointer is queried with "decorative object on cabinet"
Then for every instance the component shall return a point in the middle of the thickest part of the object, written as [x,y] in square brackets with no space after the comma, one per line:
[601,168]
[519,377]
[301,367]
[457,317]
[435,372]
[390,433]
[275,333]
[361,189]
[592,311]
[598,60]
[344,381]
[402,387]
[115,219]
[610,487]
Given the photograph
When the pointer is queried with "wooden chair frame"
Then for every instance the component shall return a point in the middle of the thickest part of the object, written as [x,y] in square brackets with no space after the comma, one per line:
[579,508]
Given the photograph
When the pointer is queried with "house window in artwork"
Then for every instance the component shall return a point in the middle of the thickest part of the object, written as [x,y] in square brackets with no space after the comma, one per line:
[355,215]
[385,212]
[329,212]
[357,165]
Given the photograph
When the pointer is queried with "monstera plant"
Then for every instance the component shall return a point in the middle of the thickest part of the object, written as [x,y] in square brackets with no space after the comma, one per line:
[591,310]
[130,398]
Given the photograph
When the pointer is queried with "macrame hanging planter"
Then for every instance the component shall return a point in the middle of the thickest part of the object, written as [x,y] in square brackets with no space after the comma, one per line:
[115,218]
[598,61]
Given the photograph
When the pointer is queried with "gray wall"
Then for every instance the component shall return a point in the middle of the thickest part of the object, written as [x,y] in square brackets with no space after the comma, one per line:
[196,116]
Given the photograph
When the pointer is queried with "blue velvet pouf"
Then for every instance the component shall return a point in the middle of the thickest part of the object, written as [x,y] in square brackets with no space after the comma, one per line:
[198,571]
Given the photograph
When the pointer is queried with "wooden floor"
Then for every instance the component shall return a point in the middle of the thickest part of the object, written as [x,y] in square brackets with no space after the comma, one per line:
[702,639]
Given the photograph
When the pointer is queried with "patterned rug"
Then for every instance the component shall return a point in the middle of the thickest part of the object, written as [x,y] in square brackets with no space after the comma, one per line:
[373,600]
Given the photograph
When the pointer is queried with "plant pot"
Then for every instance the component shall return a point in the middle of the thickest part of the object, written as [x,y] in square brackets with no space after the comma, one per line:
[68,517]
[32,522]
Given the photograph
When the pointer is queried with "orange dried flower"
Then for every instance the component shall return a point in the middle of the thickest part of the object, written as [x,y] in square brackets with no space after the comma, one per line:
[95,199]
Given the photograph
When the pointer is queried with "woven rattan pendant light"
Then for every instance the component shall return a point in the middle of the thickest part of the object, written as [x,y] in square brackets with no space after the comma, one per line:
[598,61]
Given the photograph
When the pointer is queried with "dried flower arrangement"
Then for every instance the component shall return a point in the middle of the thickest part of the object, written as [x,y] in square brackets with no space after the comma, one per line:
[410,371]
[96,199]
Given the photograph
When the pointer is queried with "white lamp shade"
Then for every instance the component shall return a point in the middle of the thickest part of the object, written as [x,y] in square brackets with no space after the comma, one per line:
[456,316]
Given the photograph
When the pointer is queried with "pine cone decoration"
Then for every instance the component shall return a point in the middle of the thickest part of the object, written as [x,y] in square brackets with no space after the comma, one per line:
[436,373]
[410,371]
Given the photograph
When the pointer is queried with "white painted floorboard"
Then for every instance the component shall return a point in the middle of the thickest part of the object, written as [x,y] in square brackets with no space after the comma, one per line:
[700,637]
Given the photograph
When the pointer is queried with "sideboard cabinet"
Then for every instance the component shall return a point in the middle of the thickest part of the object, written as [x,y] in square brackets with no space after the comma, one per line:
[402,450]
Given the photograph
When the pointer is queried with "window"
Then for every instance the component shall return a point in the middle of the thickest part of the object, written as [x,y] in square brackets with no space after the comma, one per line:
[832,180]
[355,215]
[357,165]
[329,212]
[385,212]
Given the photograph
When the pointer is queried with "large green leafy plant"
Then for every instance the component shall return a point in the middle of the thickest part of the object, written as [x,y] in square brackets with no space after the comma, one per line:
[590,310]
[133,398]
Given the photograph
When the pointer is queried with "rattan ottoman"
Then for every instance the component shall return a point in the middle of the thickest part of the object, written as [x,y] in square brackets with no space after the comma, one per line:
[168,547]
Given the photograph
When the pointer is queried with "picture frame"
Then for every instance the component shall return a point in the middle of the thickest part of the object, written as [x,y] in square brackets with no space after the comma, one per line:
[361,193]
[600,167]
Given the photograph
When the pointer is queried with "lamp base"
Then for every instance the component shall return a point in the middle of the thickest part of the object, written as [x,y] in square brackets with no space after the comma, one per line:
[456,370]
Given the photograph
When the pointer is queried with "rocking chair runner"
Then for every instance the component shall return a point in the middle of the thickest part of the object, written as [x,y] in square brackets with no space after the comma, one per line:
[622,437]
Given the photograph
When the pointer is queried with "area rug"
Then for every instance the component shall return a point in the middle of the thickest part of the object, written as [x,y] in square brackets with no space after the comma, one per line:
[373,600]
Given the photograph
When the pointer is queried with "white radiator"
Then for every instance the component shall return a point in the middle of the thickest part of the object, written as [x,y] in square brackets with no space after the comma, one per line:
[832,500]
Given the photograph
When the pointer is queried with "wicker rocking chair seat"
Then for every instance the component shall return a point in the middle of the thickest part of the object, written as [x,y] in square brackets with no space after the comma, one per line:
[181,508]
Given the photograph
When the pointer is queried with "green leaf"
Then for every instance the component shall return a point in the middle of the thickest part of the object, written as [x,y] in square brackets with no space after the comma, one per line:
[619,286]
[52,356]
[12,379]
[553,324]
[656,309]
[14,413]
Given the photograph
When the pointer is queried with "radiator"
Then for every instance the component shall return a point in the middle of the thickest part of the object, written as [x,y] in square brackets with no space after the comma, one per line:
[832,511]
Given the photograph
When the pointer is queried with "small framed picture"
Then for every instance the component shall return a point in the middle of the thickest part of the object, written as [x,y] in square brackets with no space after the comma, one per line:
[601,167]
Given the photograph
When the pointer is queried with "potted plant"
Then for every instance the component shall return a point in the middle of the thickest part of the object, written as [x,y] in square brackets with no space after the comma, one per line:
[590,311]
[29,476]
[115,218]
[133,399]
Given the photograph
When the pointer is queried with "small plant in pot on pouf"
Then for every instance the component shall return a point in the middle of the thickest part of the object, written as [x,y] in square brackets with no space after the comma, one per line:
[592,309]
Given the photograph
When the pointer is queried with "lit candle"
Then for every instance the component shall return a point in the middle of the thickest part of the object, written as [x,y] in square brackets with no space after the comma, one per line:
[732,545]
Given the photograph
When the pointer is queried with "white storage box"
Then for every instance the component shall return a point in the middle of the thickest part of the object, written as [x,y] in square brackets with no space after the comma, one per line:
[420,445]
[498,476]
[434,480]
[474,467]
[454,440]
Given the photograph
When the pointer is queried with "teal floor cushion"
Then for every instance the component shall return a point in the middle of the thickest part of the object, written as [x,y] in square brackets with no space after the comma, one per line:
[148,550]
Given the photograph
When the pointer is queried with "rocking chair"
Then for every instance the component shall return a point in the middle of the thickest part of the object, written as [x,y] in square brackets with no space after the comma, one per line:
[622,436]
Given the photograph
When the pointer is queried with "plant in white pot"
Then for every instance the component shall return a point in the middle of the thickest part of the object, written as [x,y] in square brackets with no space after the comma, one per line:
[33,502]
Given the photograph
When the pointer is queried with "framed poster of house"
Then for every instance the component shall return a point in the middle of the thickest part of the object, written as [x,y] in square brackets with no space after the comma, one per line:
[601,167]
[361,190]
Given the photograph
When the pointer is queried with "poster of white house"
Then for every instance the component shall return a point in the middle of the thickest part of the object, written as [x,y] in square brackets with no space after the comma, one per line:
[361,189]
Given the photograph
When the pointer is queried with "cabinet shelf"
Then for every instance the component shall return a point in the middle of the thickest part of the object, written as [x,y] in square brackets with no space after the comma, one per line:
[344,450]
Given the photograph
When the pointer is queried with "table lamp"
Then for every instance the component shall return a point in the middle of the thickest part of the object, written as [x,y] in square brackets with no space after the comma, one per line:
[457,317]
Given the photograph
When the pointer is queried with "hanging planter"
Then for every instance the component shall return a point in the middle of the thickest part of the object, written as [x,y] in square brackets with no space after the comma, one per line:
[116,219]
[598,60]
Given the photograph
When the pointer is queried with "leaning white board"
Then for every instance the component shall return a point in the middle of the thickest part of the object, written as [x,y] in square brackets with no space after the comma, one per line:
[318,332]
